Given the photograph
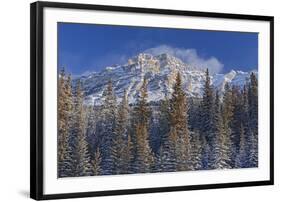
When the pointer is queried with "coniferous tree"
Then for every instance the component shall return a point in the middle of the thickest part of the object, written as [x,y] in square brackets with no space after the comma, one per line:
[91,135]
[62,116]
[128,156]
[164,123]
[242,157]
[161,161]
[154,130]
[194,114]
[245,114]
[207,109]
[142,109]
[227,116]
[65,105]
[81,153]
[253,102]
[207,127]
[237,117]
[253,120]
[253,150]
[227,107]
[144,157]
[166,155]
[91,121]
[96,169]
[179,134]
[196,151]
[222,148]
[106,127]
[169,152]
[121,147]
[206,160]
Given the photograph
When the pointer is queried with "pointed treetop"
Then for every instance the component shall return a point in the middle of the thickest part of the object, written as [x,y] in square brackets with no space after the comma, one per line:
[178,78]
[207,77]
[109,83]
[145,82]
[62,72]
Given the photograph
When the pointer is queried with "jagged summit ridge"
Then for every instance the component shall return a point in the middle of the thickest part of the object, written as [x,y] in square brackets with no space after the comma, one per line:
[160,72]
[145,62]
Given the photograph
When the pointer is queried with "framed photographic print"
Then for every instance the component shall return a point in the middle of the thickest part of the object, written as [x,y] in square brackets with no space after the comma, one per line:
[135,100]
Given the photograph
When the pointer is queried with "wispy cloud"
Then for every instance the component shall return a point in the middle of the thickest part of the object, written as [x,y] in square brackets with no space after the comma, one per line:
[189,56]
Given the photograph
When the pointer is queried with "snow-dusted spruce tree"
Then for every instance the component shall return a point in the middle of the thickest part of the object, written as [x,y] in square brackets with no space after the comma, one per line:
[253,101]
[169,152]
[253,149]
[246,126]
[142,109]
[253,120]
[206,162]
[121,146]
[194,114]
[166,160]
[65,162]
[106,128]
[154,130]
[160,161]
[128,156]
[221,151]
[237,118]
[179,134]
[196,150]
[242,157]
[144,158]
[227,106]
[227,116]
[96,169]
[81,154]
[164,121]
[207,128]
[91,121]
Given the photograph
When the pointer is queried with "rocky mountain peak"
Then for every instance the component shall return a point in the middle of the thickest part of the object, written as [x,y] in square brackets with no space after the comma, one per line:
[145,62]
[160,71]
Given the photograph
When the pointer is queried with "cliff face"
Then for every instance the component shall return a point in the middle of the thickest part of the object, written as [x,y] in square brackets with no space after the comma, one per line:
[160,71]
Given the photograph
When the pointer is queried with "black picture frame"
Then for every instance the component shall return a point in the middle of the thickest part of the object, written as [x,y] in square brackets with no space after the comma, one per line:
[36,99]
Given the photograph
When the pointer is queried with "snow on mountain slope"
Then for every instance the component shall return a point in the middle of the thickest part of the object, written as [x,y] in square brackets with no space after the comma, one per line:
[160,71]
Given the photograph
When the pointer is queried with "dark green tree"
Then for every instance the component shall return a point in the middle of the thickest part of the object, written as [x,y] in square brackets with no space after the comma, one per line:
[65,107]
[144,158]
[81,153]
[207,127]
[253,120]
[121,147]
[222,147]
[179,134]
[106,127]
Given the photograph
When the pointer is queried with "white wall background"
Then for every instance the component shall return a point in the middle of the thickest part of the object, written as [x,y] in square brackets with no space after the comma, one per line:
[14,100]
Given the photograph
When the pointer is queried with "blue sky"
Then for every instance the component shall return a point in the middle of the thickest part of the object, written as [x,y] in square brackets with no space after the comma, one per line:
[87,47]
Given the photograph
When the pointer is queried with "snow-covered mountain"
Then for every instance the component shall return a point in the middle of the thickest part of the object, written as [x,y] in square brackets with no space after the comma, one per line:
[160,71]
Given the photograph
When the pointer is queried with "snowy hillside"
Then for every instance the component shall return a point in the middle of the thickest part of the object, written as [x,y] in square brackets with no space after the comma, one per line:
[160,71]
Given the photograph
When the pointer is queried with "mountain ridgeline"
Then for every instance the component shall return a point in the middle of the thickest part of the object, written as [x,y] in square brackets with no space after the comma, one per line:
[156,114]
[160,72]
